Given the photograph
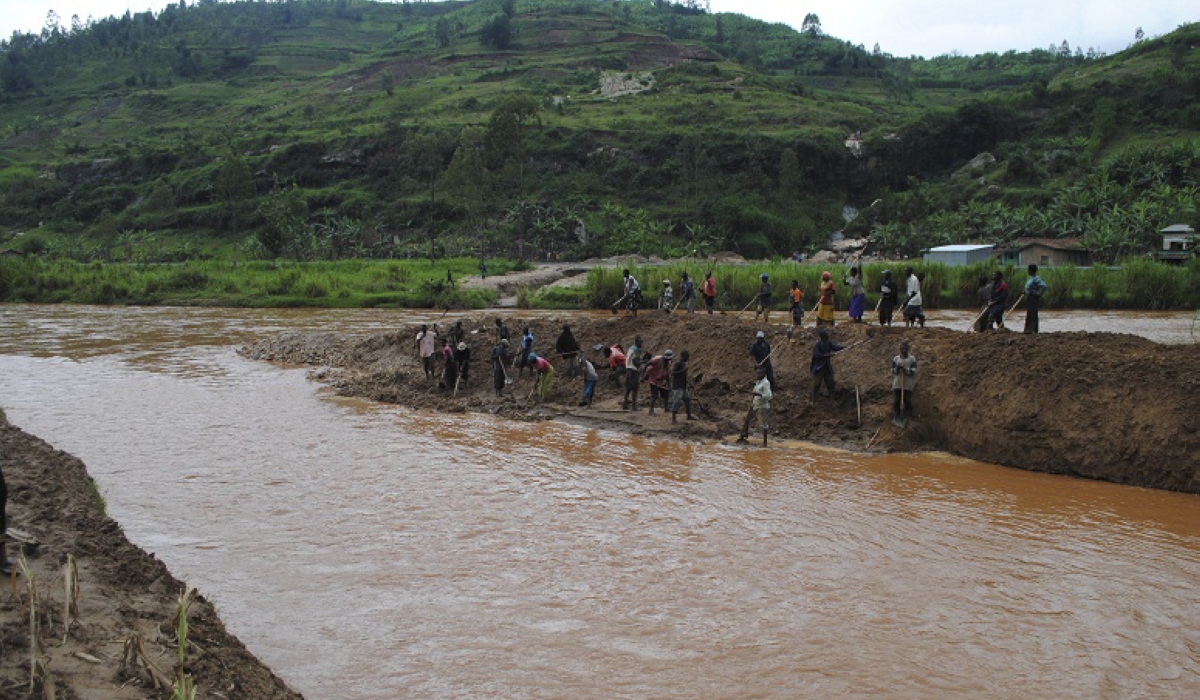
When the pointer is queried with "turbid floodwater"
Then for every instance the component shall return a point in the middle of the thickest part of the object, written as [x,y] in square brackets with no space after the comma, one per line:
[368,551]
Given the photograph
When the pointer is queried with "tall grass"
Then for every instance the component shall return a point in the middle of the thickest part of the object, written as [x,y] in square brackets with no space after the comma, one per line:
[348,283]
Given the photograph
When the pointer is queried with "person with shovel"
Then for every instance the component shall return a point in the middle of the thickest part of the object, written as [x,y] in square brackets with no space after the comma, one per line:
[666,300]
[912,303]
[633,364]
[821,367]
[590,377]
[996,302]
[764,298]
[545,375]
[904,376]
[760,350]
[426,344]
[462,357]
[760,407]
[1035,287]
[797,308]
[568,349]
[527,341]
[825,300]
[679,388]
[687,293]
[709,290]
[500,366]
[657,373]
[616,363]
[887,299]
[633,293]
[858,295]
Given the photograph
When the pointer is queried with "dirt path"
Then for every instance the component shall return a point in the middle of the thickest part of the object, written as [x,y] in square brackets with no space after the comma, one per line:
[124,593]
[1103,406]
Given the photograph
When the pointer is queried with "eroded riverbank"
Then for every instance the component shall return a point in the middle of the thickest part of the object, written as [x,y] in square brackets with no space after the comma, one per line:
[1096,405]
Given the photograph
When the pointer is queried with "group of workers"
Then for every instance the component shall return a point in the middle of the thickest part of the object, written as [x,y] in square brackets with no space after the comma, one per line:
[994,296]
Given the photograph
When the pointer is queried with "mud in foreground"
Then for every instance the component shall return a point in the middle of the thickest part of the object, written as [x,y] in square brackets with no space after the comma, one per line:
[124,593]
[1095,405]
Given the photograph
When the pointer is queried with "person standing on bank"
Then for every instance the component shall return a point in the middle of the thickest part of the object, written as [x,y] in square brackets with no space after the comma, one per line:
[687,293]
[462,357]
[679,387]
[500,366]
[760,407]
[633,375]
[709,290]
[858,295]
[912,303]
[825,300]
[760,350]
[904,377]
[666,300]
[797,308]
[633,293]
[887,299]
[821,366]
[984,292]
[590,377]
[657,373]
[527,341]
[1035,287]
[764,298]
[996,302]
[568,349]
[426,345]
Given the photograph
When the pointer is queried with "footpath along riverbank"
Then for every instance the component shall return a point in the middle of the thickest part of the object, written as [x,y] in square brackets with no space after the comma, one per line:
[126,598]
[1096,405]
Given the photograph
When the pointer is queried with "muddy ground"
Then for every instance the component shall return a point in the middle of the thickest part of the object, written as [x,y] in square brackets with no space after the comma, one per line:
[1096,405]
[124,593]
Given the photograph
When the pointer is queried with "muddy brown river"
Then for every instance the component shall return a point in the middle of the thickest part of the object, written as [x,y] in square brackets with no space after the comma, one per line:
[366,551]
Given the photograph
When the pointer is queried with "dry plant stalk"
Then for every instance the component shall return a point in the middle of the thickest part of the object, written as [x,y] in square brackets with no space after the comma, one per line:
[71,582]
[135,653]
[185,686]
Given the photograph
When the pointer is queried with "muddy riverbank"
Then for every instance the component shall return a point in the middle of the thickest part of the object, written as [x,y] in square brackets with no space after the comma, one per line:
[1096,405]
[123,594]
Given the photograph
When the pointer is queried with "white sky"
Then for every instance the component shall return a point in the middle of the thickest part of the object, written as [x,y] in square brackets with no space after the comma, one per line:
[900,27]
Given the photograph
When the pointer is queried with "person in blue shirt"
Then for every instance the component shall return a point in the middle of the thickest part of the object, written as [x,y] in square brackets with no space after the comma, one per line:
[1035,287]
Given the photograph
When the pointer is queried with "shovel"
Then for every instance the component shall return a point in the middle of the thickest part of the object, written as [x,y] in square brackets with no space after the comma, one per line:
[901,418]
[617,302]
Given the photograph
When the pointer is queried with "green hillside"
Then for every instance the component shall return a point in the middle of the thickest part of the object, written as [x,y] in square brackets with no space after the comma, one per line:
[320,129]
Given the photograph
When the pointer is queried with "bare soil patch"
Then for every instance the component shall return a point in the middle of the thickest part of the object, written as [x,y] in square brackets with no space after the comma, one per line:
[1096,405]
[123,592]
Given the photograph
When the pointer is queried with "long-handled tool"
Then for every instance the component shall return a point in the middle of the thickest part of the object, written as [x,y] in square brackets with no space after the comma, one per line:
[851,347]
[747,306]
[814,310]
[901,418]
[1014,306]
[618,301]
[981,313]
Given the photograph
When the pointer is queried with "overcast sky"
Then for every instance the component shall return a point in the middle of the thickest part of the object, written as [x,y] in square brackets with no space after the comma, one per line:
[900,27]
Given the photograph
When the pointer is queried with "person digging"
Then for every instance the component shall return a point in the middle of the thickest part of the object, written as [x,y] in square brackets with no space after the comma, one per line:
[760,407]
[679,388]
[821,366]
[904,376]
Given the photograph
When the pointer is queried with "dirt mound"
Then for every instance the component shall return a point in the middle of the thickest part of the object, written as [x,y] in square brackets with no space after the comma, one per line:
[1102,406]
[123,591]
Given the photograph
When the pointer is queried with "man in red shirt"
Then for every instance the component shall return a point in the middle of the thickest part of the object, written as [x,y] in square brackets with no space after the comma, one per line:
[656,373]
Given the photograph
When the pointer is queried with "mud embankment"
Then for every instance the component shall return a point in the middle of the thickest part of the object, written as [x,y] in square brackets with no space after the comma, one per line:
[124,594]
[1096,405]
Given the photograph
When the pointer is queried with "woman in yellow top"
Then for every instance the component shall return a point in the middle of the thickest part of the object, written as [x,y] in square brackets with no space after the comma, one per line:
[825,305]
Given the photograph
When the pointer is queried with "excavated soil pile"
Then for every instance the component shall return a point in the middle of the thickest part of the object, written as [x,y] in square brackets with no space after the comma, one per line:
[123,593]
[1097,405]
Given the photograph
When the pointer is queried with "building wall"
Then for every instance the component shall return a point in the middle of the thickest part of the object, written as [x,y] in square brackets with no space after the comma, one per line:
[1045,256]
[958,258]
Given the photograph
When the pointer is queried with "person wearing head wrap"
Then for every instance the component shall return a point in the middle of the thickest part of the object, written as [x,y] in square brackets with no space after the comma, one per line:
[904,377]
[858,295]
[667,299]
[888,297]
[462,355]
[545,375]
[825,300]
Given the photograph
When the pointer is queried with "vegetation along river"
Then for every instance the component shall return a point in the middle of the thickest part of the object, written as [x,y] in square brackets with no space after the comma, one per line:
[367,551]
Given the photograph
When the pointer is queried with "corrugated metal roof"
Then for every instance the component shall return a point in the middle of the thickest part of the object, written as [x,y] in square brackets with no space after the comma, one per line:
[960,248]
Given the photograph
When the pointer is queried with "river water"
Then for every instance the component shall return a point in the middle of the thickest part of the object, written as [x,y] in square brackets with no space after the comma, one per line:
[366,551]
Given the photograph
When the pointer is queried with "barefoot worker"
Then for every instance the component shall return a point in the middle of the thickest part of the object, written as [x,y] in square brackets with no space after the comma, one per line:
[764,298]
[616,363]
[821,366]
[1035,287]
[996,302]
[633,292]
[657,373]
[760,350]
[904,377]
[666,300]
[912,303]
[858,295]
[760,407]
[687,293]
[633,365]
[545,375]
[590,377]
[709,290]
[679,388]
[426,344]
[887,299]
[527,341]
[568,349]
[797,308]
[825,300]
[500,366]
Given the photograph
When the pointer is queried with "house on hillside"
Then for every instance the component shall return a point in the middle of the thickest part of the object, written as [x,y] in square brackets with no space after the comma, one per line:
[1047,252]
[958,255]
[1178,244]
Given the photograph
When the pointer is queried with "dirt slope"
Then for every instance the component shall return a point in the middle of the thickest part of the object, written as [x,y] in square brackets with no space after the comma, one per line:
[1103,406]
[123,591]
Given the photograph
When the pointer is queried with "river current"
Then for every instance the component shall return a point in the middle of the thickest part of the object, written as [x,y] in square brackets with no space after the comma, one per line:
[367,551]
